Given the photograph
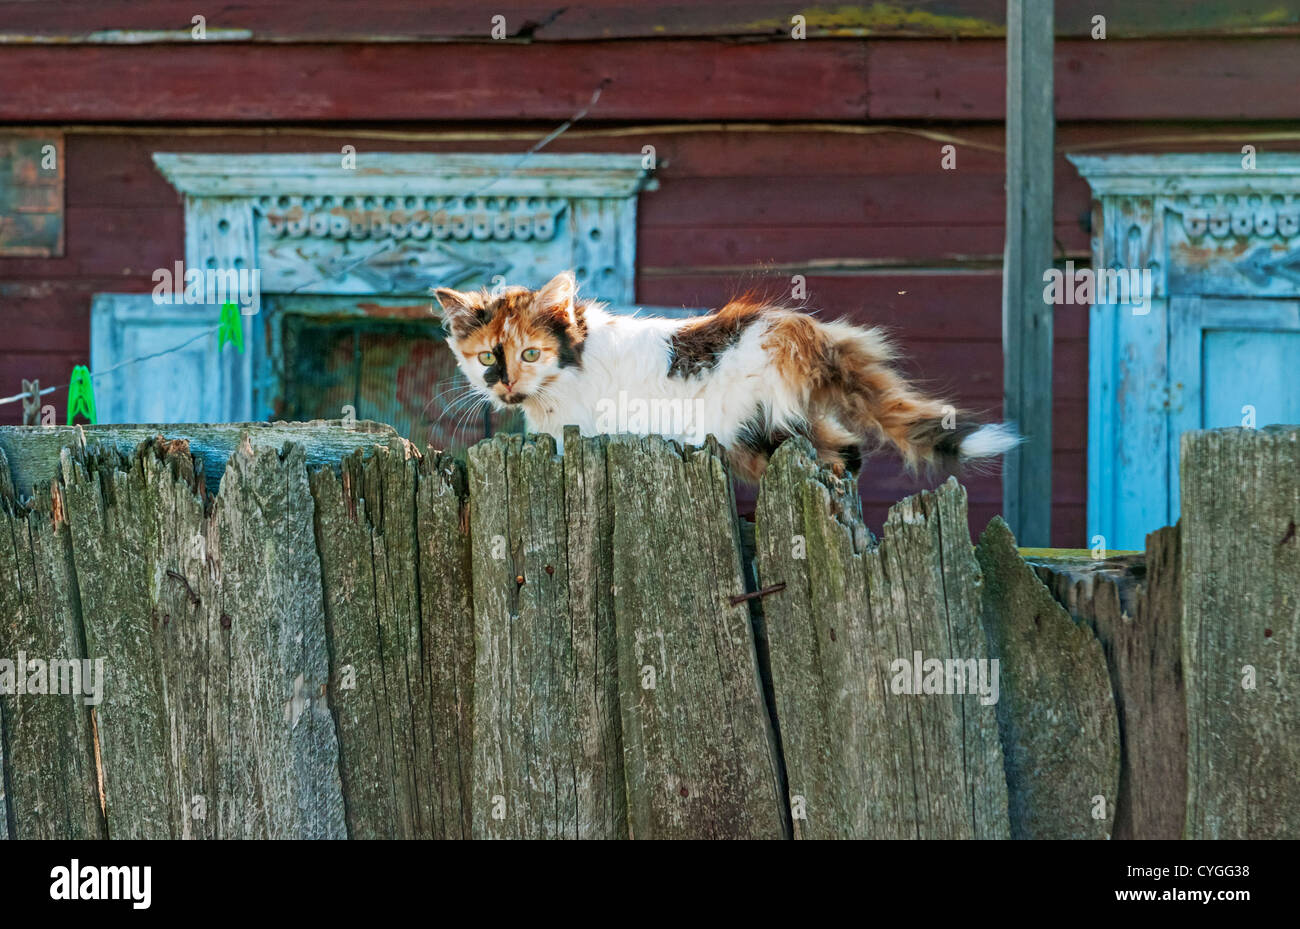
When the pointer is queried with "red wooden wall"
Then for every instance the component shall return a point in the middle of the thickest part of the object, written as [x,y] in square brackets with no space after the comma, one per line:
[881,231]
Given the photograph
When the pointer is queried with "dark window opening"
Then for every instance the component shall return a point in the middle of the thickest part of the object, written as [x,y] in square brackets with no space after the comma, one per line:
[398,372]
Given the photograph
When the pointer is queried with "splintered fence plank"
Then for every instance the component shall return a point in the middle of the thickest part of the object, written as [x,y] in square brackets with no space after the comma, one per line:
[48,738]
[867,756]
[365,531]
[1134,604]
[546,741]
[279,761]
[33,451]
[1059,728]
[399,751]
[215,721]
[700,754]
[1241,631]
[134,520]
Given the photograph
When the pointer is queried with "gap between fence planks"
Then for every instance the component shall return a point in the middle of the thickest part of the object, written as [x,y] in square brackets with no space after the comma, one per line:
[405,644]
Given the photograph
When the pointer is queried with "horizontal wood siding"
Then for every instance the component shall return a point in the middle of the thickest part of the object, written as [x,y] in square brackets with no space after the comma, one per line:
[690,79]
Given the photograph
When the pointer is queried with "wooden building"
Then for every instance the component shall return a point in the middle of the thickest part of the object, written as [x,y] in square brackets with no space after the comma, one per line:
[706,148]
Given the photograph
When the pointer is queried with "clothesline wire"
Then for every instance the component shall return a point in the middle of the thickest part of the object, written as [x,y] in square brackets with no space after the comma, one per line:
[122,364]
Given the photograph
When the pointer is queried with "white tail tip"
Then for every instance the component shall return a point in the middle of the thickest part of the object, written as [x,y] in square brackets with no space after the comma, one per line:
[989,441]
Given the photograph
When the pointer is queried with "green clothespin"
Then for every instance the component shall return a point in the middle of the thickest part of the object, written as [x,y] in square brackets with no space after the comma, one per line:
[231,328]
[81,395]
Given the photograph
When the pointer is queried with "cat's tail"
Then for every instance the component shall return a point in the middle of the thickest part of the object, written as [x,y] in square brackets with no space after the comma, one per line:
[858,380]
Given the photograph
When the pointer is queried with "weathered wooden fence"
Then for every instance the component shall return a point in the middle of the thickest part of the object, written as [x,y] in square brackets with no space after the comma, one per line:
[356,639]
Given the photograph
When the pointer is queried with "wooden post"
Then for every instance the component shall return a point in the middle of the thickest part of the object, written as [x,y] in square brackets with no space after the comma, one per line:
[1026,318]
[31,403]
[1241,613]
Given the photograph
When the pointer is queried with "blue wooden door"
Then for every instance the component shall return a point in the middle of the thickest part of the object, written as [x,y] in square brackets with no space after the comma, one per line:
[1231,363]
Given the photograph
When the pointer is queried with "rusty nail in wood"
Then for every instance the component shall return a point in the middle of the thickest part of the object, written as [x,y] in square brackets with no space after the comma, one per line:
[519,579]
[684,792]
[550,570]
[741,598]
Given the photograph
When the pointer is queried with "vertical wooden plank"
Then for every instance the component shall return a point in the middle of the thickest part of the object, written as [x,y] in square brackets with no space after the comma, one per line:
[1134,604]
[1057,716]
[542,733]
[1026,317]
[366,536]
[277,754]
[866,759]
[932,583]
[699,750]
[589,516]
[447,627]
[395,569]
[48,738]
[140,542]
[1241,631]
[835,717]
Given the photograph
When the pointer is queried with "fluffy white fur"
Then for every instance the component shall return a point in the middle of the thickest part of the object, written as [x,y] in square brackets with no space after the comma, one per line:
[989,441]
[625,364]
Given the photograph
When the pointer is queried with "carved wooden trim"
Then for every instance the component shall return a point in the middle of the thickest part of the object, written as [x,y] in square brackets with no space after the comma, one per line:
[397,174]
[403,223]
[1204,224]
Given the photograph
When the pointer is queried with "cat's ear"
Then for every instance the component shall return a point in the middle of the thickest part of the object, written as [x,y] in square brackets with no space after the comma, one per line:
[556,296]
[459,309]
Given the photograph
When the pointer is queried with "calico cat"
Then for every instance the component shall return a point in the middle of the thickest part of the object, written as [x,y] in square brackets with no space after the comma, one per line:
[753,374]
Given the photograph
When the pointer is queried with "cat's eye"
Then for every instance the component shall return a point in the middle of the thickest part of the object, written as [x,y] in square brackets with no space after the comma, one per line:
[531,354]
[486,358]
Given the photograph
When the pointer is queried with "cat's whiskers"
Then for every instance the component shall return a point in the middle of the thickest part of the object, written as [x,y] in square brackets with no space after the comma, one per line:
[467,387]
[458,403]
[466,417]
